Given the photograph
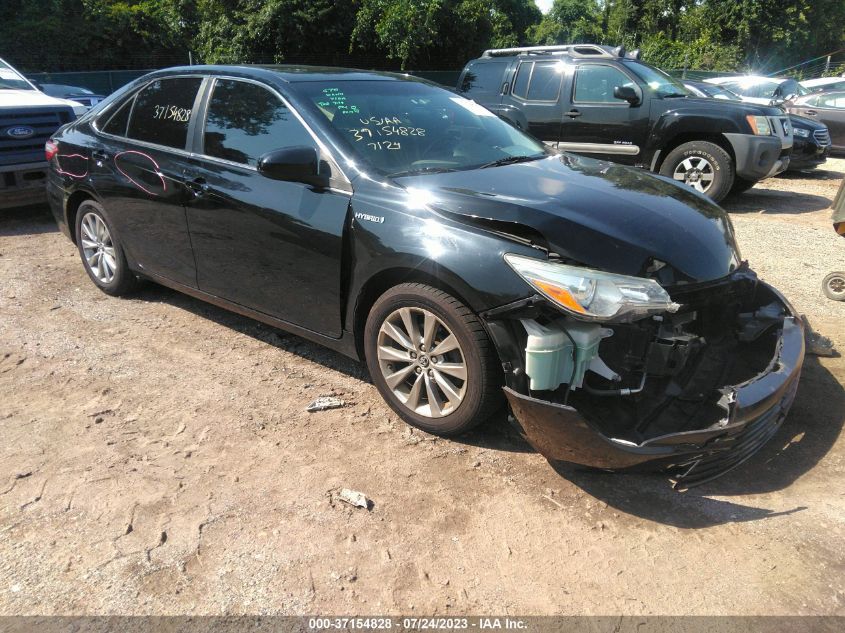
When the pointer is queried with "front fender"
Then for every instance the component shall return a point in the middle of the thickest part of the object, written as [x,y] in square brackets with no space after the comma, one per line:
[673,124]
[386,243]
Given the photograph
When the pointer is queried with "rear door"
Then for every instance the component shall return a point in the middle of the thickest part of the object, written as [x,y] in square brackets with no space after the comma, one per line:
[137,171]
[269,245]
[597,123]
[830,110]
[536,90]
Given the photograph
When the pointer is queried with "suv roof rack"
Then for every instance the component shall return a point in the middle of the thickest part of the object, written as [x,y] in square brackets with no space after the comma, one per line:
[574,50]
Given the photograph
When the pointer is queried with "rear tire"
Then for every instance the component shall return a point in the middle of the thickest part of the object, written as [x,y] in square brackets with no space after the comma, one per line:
[833,286]
[702,165]
[445,393]
[102,255]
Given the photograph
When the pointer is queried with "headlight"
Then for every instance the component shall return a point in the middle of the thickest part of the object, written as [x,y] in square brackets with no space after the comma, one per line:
[797,131]
[759,124]
[593,295]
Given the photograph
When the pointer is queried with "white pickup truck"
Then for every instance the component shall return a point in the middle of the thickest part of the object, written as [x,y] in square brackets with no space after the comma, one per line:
[27,119]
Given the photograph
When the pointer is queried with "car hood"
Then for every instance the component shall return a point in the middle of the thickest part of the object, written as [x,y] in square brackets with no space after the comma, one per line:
[593,213]
[803,122]
[30,98]
[760,107]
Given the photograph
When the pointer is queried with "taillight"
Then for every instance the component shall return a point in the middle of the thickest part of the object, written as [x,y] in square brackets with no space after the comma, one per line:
[50,149]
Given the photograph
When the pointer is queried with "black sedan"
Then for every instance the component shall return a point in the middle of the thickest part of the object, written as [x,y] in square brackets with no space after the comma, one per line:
[810,139]
[464,262]
[827,108]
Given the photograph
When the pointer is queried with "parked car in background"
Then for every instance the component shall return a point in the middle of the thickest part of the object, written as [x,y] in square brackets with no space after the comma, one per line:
[810,139]
[598,100]
[762,90]
[704,89]
[824,84]
[827,108]
[27,119]
[74,93]
[397,222]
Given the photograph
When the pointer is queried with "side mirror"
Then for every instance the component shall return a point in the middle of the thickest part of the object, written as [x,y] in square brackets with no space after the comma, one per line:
[626,93]
[293,164]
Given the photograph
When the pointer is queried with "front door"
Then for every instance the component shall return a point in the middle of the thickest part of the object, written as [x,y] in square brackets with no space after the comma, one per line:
[271,246]
[597,123]
[137,171]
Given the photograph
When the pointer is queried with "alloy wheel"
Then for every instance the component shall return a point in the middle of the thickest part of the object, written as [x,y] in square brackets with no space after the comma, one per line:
[422,362]
[98,248]
[695,171]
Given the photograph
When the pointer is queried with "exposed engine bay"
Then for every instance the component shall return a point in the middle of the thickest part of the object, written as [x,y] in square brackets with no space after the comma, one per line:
[641,382]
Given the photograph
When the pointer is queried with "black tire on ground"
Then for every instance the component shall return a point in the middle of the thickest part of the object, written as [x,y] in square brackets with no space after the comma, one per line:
[741,185]
[123,280]
[833,286]
[482,394]
[717,161]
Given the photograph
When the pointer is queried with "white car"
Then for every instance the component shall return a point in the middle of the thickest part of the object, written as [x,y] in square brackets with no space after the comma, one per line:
[27,119]
[759,89]
[824,84]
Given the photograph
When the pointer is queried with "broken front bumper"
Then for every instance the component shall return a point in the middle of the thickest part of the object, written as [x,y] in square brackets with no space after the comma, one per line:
[754,410]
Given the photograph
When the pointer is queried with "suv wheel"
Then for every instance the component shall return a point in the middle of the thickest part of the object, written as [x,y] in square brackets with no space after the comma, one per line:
[431,360]
[101,253]
[702,165]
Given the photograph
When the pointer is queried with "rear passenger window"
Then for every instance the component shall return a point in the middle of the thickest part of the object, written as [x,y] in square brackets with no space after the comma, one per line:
[545,81]
[520,83]
[487,77]
[246,120]
[162,111]
[117,123]
[595,83]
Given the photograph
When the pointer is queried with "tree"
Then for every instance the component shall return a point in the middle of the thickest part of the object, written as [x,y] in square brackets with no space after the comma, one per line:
[440,33]
[570,22]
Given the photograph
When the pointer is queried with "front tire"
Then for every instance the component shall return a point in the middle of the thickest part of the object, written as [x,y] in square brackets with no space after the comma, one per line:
[431,360]
[702,165]
[102,255]
[833,286]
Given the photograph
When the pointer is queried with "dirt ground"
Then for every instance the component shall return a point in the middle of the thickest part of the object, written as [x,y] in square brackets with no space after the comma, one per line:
[157,458]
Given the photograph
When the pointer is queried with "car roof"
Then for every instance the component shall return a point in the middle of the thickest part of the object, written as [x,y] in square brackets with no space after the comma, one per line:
[821,81]
[747,80]
[290,73]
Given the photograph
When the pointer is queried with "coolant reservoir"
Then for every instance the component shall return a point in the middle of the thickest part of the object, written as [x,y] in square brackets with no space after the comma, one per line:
[548,352]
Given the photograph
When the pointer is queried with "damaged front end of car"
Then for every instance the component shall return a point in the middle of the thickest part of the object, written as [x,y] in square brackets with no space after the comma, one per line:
[609,372]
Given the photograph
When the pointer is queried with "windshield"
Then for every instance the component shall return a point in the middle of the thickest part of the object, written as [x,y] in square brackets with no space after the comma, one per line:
[661,84]
[720,92]
[406,127]
[10,79]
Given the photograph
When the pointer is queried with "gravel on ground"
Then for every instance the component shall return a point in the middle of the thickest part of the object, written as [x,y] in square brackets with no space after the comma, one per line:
[157,458]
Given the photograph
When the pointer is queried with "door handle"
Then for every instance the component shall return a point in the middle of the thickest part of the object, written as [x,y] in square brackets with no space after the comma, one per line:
[99,156]
[197,186]
[811,112]
[573,113]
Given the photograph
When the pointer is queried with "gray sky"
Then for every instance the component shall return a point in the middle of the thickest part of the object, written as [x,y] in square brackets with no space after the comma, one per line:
[544,5]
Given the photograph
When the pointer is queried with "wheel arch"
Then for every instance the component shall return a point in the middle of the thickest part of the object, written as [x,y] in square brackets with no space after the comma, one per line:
[383,280]
[688,137]
[72,205]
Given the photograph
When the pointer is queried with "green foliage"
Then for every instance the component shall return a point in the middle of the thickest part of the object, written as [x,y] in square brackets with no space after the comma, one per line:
[757,35]
[434,33]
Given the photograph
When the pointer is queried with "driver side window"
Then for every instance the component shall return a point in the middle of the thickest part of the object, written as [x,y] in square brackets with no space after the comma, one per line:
[594,83]
[245,121]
